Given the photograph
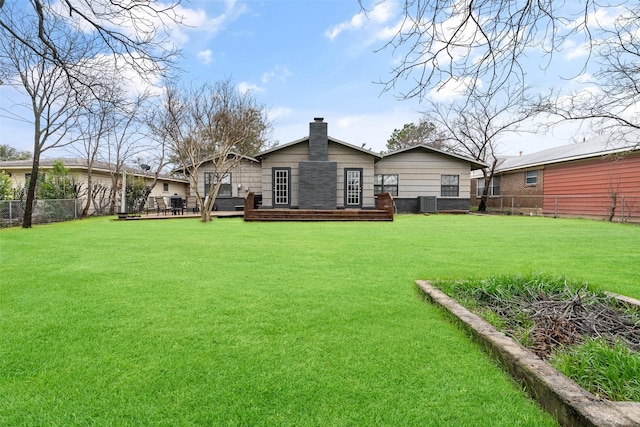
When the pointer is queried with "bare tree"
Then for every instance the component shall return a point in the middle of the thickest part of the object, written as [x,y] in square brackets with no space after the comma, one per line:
[425,132]
[482,41]
[59,48]
[129,31]
[212,123]
[609,102]
[125,140]
[473,126]
[96,123]
[53,104]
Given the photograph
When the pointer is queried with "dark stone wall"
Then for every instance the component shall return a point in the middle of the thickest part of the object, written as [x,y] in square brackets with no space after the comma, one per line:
[411,205]
[317,184]
[453,204]
[228,203]
[406,205]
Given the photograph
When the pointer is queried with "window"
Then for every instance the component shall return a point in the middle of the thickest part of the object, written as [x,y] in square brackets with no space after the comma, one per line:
[449,185]
[165,186]
[494,186]
[225,185]
[531,177]
[385,184]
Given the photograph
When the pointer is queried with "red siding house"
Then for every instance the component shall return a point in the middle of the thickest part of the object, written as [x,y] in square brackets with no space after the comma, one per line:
[597,178]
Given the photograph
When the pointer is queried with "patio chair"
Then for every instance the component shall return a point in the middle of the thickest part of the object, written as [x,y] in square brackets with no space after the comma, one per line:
[150,205]
[161,206]
[192,204]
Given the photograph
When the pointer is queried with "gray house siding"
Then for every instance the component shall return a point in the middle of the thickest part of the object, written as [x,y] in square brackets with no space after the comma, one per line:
[348,158]
[320,169]
[287,157]
[419,174]
[245,177]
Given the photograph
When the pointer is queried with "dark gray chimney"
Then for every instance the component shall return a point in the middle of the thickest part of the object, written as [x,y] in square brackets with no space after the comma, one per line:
[317,179]
[318,140]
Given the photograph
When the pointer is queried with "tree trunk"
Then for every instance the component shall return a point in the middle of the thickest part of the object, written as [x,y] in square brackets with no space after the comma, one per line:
[482,207]
[85,210]
[205,215]
[31,191]
[612,208]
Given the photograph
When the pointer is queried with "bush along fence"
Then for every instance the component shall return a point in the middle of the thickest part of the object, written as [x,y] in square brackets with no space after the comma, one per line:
[614,207]
[44,211]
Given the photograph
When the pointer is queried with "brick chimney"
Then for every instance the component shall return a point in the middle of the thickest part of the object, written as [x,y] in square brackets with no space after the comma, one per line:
[318,140]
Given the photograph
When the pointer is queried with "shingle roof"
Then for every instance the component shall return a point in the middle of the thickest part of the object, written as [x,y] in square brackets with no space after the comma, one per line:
[474,163]
[75,163]
[331,139]
[599,146]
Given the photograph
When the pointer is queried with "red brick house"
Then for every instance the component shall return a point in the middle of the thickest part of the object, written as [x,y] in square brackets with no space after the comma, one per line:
[598,178]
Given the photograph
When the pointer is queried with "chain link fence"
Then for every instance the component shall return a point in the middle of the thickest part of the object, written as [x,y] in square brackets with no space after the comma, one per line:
[614,207]
[44,211]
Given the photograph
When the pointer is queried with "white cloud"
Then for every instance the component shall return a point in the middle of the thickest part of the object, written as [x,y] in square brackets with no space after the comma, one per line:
[379,14]
[278,72]
[244,87]
[451,89]
[279,112]
[575,51]
[176,23]
[205,56]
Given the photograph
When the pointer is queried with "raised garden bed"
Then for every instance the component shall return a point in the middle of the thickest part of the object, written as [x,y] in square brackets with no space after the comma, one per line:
[552,318]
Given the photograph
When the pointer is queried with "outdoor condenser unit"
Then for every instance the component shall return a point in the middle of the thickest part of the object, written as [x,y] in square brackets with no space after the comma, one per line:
[427,204]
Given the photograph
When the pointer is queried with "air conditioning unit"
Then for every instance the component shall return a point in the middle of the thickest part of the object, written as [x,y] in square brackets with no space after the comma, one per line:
[427,204]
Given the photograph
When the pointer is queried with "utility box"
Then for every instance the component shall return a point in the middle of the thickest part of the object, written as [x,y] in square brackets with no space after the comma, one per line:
[427,204]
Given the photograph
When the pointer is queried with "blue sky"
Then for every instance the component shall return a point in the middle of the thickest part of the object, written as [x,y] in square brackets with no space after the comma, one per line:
[303,59]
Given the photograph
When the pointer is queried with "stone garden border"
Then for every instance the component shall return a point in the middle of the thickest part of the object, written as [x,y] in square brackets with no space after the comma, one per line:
[563,398]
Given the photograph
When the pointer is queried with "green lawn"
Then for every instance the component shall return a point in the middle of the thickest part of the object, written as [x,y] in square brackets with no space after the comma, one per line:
[178,322]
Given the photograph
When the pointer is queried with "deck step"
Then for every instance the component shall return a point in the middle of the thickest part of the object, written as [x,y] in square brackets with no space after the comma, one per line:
[316,215]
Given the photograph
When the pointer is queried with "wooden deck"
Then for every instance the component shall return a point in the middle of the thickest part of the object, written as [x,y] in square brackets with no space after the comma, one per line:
[384,212]
[154,216]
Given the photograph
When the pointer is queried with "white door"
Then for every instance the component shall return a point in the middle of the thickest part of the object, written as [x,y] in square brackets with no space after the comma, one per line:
[281,187]
[353,188]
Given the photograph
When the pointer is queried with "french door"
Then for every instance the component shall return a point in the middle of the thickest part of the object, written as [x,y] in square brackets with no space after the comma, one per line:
[353,188]
[281,187]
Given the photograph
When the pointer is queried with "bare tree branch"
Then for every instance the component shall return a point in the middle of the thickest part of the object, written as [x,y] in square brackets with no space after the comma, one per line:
[610,99]
[480,41]
[127,31]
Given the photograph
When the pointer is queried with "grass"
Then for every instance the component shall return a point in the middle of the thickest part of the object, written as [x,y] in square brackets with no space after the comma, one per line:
[604,370]
[233,323]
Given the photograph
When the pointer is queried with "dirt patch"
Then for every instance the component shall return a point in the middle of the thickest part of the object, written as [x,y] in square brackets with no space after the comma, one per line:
[566,319]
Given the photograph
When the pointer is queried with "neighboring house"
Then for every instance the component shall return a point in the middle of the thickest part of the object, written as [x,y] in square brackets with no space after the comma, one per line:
[597,178]
[321,172]
[20,171]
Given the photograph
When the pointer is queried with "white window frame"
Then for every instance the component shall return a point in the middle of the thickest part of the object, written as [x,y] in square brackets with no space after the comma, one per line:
[531,179]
